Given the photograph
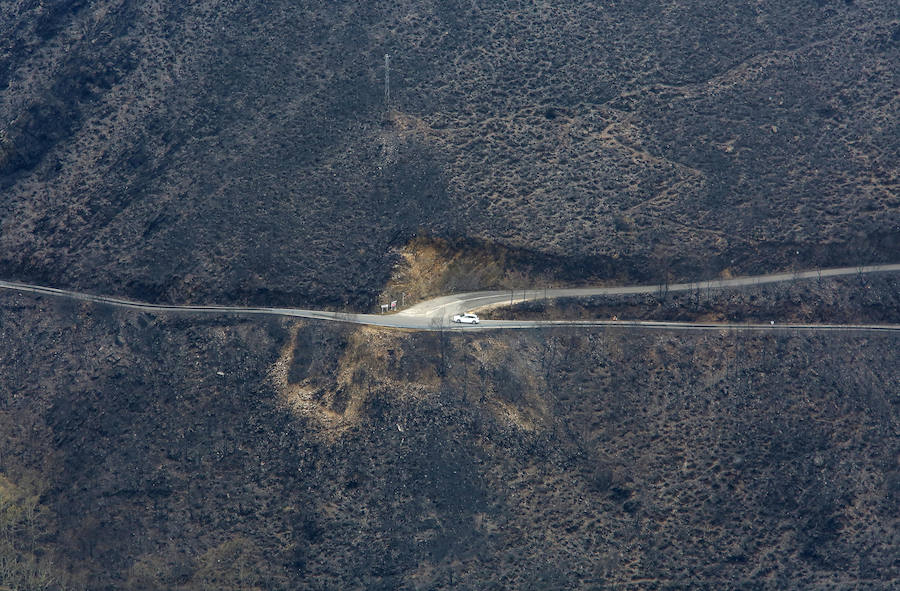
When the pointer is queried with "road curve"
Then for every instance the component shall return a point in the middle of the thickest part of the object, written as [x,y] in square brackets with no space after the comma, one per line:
[435,314]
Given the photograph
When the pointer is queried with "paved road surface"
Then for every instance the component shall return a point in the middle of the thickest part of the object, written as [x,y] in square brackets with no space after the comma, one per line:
[435,314]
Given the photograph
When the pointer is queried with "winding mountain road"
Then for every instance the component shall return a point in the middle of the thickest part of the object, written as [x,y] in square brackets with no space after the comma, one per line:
[435,314]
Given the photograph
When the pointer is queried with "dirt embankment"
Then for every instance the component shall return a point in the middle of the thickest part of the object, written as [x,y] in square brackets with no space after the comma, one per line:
[428,267]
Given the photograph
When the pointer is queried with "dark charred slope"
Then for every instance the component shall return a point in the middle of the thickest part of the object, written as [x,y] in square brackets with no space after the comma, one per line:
[240,151]
[553,460]
[186,152]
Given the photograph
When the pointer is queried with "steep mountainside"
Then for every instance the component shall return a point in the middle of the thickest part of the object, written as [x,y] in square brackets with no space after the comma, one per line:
[245,152]
[197,454]
[226,151]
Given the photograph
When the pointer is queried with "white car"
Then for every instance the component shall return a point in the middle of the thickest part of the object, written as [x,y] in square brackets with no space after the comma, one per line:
[466,319]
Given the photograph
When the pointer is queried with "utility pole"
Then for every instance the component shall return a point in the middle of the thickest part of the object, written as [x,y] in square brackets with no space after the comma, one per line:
[387,81]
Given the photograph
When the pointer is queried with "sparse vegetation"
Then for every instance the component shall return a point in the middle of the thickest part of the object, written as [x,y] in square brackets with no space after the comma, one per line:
[588,457]
[244,153]
[26,527]
[227,151]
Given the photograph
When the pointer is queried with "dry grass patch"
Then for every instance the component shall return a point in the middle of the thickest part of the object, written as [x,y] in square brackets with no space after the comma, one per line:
[365,361]
[430,267]
[368,361]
